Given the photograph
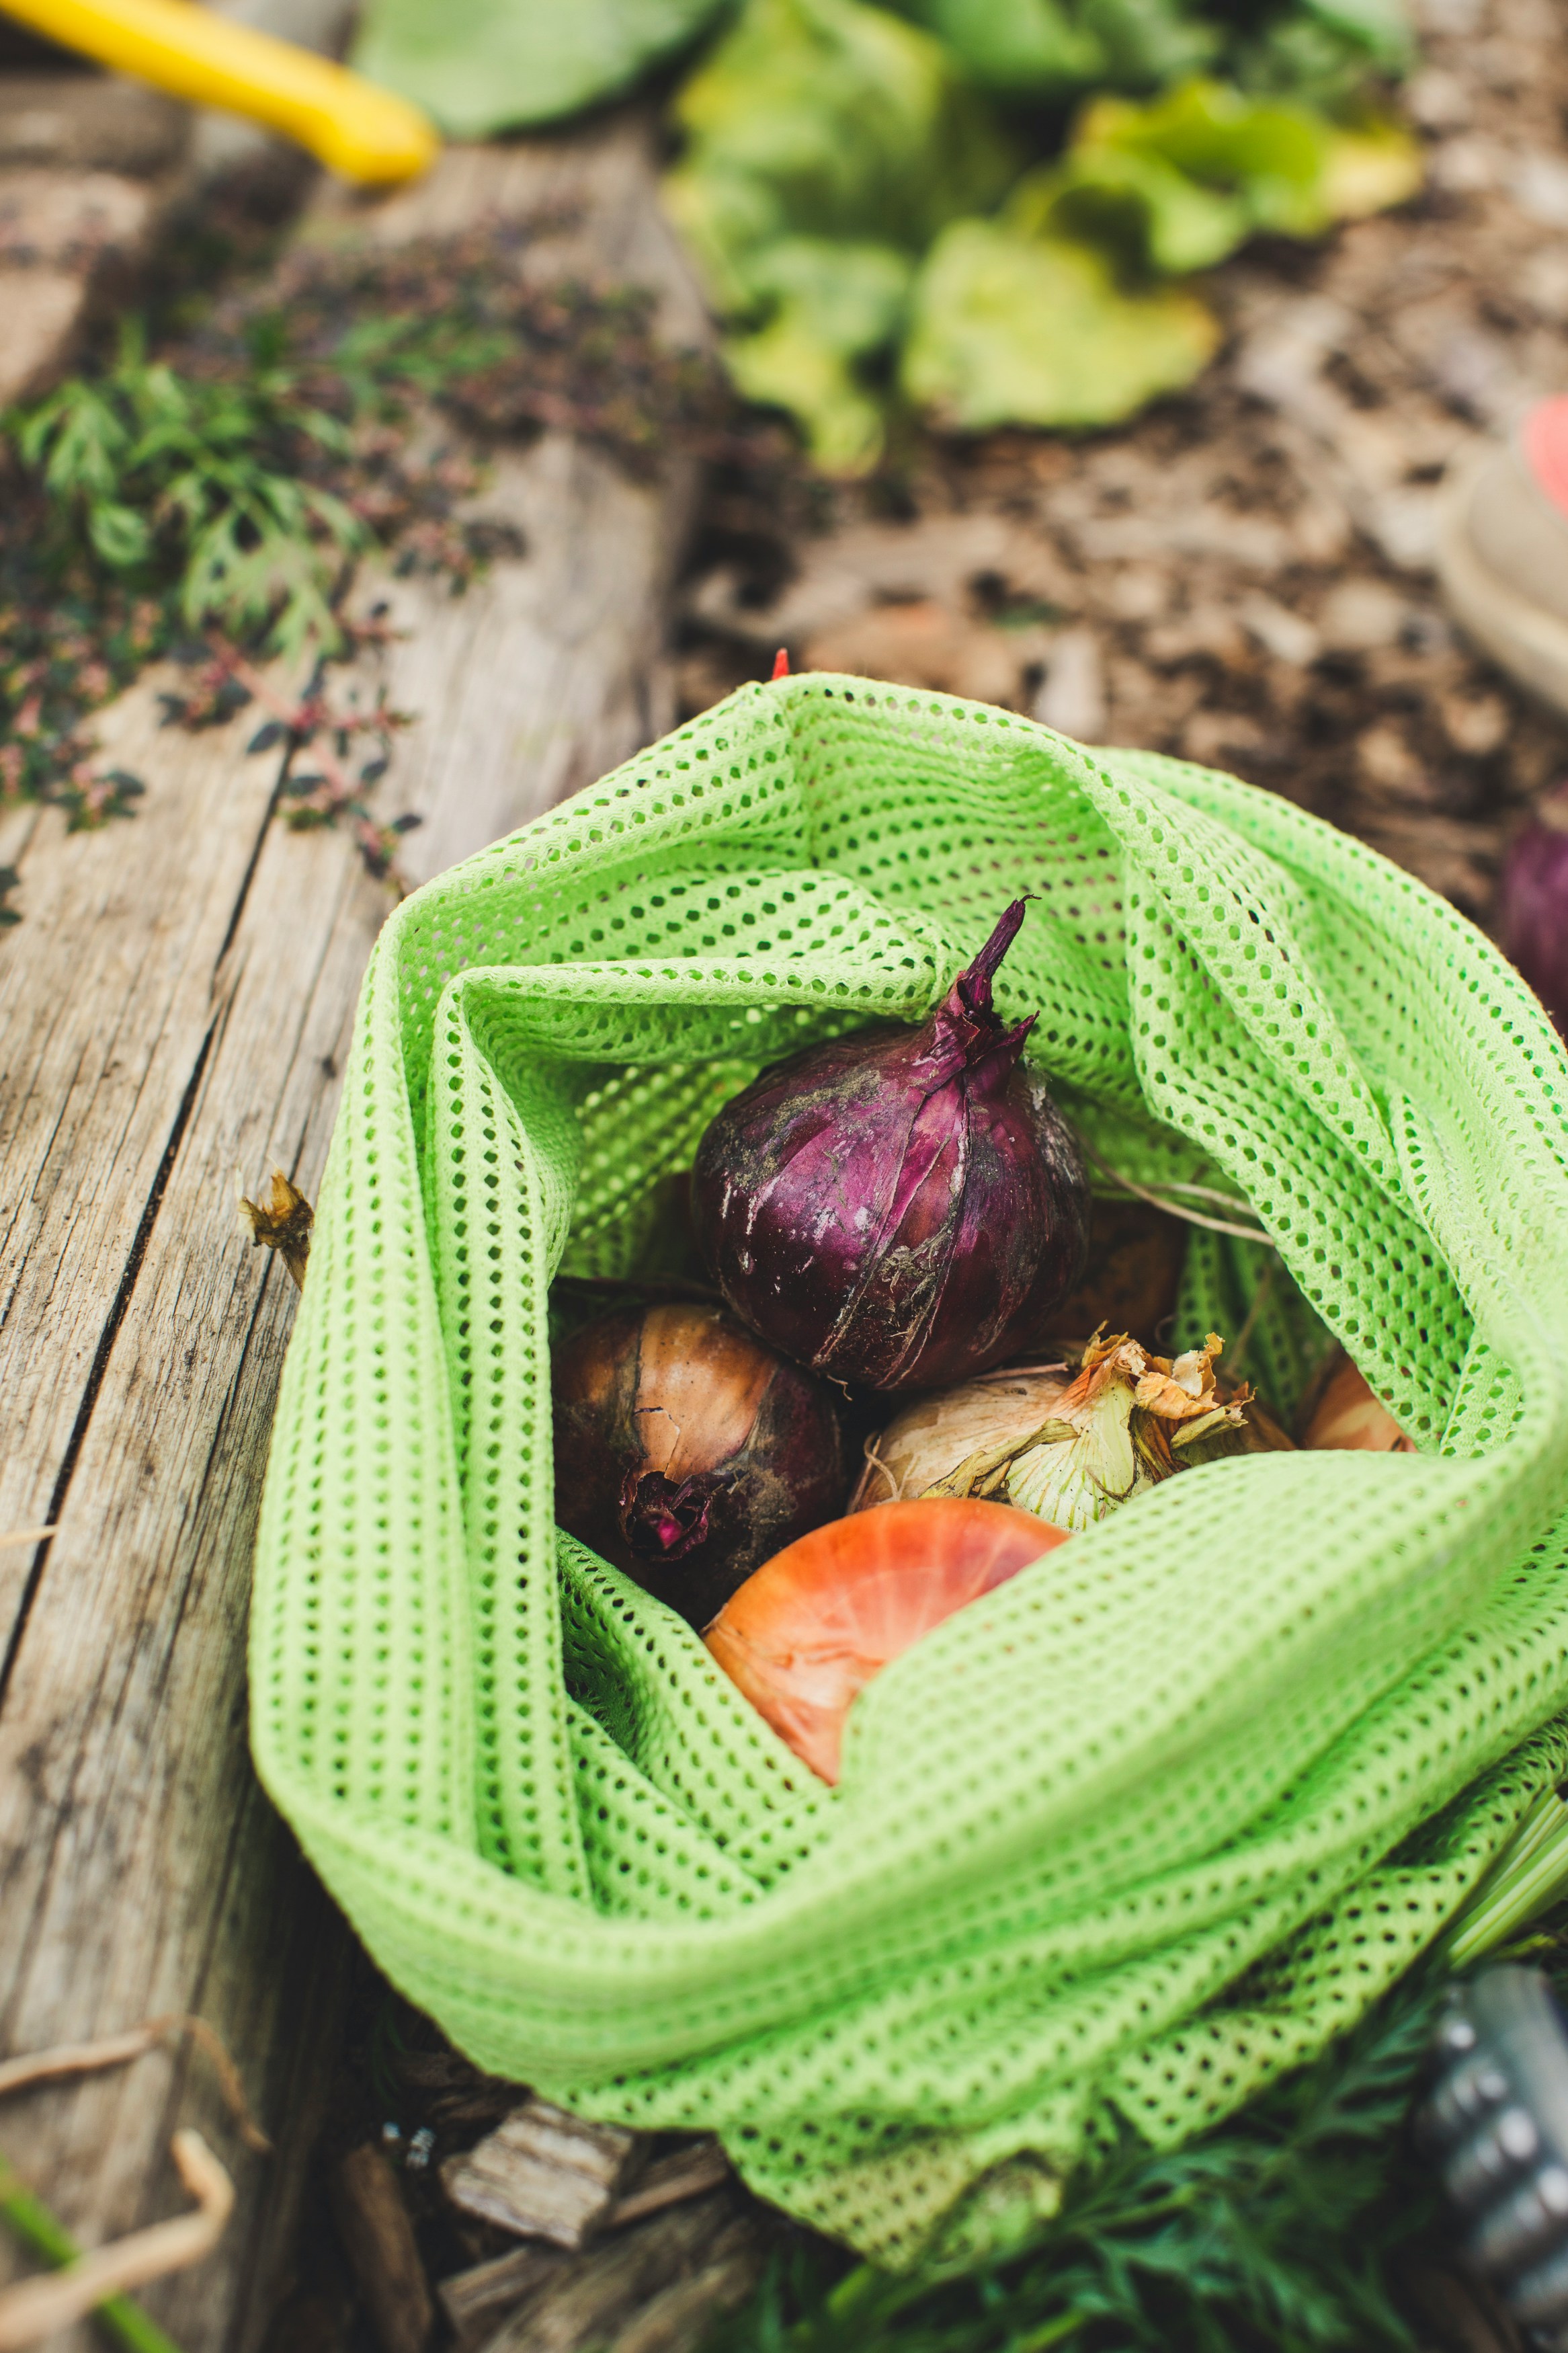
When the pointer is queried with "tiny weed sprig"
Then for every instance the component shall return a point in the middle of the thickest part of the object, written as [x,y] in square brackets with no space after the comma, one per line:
[225,481]
[333,793]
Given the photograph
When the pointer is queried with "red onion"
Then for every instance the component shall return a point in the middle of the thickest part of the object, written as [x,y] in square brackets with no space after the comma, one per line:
[1533,904]
[687,1452]
[902,1206]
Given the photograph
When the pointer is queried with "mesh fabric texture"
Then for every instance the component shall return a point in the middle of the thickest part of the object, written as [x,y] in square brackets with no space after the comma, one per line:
[1157,1818]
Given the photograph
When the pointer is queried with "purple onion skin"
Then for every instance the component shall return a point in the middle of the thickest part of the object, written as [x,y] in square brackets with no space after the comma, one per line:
[688,1452]
[901,1207]
[1532,904]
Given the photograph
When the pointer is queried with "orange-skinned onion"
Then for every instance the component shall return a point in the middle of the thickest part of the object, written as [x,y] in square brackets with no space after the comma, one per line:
[1348,1416]
[813,1625]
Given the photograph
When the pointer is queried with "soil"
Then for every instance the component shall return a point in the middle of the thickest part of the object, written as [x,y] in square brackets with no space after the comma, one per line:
[1242,576]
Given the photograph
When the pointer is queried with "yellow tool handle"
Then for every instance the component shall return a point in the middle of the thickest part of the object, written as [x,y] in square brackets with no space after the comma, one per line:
[355,128]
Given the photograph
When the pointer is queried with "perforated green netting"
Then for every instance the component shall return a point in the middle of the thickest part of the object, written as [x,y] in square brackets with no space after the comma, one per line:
[1157,1818]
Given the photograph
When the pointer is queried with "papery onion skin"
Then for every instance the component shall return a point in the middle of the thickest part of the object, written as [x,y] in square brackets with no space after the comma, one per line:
[687,1452]
[1068,1445]
[901,1208]
[1136,1253]
[1347,1418]
[810,1630]
[924,1445]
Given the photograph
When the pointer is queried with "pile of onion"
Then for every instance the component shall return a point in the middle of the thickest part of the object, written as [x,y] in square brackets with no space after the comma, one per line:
[899,1207]
[687,1452]
[811,1629]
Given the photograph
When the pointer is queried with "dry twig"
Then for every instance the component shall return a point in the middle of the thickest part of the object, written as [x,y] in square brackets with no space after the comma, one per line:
[36,2308]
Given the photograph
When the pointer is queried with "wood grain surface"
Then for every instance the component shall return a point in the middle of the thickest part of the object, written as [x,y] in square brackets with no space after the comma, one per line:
[174,1009]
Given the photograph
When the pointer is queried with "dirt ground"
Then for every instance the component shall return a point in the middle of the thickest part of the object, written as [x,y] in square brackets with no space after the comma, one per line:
[1242,576]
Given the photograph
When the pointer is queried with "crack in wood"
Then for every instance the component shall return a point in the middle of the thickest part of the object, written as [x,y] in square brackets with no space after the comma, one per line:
[99,1367]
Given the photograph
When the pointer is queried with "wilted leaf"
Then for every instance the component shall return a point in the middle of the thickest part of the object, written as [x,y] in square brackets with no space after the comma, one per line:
[482,66]
[1023,48]
[1007,328]
[1284,165]
[825,118]
[1369,168]
[835,304]
[281,1221]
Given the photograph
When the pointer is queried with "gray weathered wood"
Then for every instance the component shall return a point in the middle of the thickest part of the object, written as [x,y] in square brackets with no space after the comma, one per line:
[543,2174]
[551,670]
[604,2292]
[476,2299]
[174,1007]
[378,2239]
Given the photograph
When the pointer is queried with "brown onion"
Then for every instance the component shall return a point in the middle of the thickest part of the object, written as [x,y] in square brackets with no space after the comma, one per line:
[1347,1415]
[815,1624]
[687,1452]
[1136,1253]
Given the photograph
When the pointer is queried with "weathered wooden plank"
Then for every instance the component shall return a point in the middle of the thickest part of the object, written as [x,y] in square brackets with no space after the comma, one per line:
[551,670]
[105,1001]
[141,1871]
[175,1007]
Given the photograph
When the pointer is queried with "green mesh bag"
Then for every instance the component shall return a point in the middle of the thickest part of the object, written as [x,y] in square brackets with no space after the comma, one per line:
[1154,1821]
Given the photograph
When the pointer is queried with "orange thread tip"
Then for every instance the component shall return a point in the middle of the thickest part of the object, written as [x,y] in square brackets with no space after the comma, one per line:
[781,662]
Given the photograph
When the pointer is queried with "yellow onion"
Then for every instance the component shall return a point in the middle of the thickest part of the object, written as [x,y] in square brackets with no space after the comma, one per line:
[1069,1446]
[1346,1415]
[810,1630]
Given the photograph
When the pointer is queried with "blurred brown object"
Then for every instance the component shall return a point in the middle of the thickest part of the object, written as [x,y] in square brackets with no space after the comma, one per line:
[478,2300]
[670,2181]
[652,2289]
[90,123]
[924,644]
[378,2239]
[1453,2312]
[1135,1257]
[1340,1411]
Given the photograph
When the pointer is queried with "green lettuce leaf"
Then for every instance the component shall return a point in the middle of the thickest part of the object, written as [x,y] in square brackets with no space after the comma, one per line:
[483,65]
[834,305]
[1009,328]
[1023,48]
[827,142]
[843,121]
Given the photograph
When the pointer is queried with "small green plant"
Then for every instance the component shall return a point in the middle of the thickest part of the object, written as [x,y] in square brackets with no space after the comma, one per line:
[221,482]
[1278,2233]
[155,473]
